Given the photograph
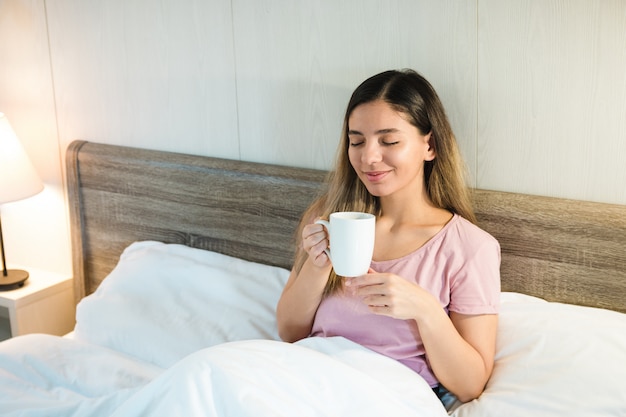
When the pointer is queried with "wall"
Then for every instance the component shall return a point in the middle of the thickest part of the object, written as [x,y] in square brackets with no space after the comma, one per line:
[535,89]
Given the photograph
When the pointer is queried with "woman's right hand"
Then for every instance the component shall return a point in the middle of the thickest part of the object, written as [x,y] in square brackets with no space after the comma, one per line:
[314,242]
[295,311]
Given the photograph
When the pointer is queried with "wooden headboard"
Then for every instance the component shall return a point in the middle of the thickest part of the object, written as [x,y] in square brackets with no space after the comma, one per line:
[560,250]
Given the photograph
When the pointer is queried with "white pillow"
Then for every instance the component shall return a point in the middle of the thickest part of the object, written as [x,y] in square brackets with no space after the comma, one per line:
[555,359]
[165,301]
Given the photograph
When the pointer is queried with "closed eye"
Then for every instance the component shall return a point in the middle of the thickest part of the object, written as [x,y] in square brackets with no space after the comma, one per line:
[356,138]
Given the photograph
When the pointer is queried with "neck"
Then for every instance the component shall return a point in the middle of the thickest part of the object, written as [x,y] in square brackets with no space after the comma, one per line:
[394,207]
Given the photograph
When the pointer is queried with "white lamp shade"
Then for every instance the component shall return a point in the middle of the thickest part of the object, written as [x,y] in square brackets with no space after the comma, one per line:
[18,177]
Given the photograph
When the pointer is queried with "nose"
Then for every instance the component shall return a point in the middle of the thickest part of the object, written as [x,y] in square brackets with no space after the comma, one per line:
[371,153]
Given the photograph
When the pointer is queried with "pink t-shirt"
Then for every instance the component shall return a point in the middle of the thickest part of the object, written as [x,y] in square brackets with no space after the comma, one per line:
[460,266]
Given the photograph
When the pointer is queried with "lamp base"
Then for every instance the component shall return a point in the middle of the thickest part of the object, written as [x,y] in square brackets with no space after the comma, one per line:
[15,278]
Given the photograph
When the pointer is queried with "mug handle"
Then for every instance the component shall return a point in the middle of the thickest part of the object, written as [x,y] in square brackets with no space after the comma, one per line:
[326,224]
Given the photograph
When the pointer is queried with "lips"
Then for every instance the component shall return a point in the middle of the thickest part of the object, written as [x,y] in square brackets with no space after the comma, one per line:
[375,176]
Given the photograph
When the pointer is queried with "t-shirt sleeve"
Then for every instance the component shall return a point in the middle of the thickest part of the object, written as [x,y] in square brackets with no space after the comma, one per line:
[476,287]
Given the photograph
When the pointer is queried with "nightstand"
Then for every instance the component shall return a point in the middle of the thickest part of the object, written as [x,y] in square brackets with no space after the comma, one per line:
[45,304]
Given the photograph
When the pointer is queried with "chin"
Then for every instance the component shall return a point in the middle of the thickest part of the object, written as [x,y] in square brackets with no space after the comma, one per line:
[376,191]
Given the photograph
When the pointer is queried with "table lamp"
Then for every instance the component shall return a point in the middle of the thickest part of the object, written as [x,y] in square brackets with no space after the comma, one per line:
[18,180]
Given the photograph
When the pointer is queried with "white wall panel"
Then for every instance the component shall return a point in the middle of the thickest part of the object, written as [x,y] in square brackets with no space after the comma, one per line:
[535,89]
[552,95]
[298,63]
[149,74]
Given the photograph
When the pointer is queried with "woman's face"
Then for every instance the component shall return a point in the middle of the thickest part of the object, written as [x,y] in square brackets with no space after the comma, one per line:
[386,151]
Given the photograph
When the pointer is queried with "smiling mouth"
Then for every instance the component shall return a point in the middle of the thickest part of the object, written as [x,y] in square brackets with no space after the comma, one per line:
[375,176]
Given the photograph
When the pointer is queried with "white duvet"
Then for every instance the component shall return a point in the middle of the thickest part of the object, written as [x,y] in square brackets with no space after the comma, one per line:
[176,331]
[51,376]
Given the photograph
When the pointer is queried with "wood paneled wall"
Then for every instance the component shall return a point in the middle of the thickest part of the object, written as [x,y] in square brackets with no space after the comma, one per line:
[535,89]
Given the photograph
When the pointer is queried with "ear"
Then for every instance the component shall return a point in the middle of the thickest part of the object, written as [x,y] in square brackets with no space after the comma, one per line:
[431,152]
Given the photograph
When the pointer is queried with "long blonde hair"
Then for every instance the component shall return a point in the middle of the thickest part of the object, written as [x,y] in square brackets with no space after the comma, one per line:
[407,92]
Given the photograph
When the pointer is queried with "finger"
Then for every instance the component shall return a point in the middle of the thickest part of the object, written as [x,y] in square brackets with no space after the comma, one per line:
[322,258]
[376,300]
[367,279]
[312,240]
[381,310]
[319,248]
[320,224]
[312,230]
[368,292]
[316,242]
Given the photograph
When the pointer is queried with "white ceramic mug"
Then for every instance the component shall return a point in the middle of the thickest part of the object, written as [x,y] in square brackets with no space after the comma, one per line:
[351,236]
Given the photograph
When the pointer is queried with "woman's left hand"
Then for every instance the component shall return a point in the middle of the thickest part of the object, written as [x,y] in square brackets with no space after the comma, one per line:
[390,295]
[460,348]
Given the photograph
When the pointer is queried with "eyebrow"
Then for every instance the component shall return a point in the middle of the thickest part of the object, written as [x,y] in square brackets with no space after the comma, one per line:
[378,132]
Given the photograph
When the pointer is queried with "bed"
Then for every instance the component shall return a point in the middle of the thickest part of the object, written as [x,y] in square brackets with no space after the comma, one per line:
[178,263]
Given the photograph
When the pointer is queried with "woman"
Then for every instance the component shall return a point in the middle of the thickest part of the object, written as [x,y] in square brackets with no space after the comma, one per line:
[430,299]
